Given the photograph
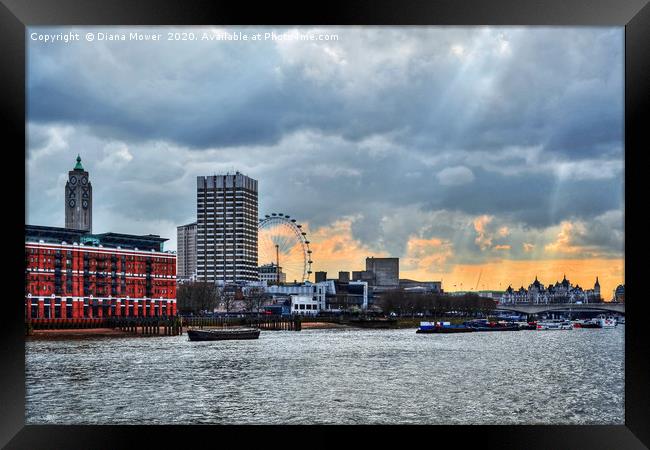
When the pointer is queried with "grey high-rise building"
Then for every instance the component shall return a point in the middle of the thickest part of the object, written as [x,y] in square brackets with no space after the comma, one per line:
[226,236]
[186,251]
[385,271]
[79,199]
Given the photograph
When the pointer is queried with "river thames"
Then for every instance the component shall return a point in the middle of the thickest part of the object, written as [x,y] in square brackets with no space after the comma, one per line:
[334,376]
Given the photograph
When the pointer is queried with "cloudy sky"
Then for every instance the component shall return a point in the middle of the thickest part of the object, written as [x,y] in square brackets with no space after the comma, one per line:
[479,156]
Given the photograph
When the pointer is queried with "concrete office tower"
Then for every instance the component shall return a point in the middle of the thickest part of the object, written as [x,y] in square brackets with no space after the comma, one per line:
[321,276]
[344,276]
[186,251]
[226,237]
[79,199]
[385,271]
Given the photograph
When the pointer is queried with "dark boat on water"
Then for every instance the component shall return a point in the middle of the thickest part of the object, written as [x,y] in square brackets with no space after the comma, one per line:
[484,325]
[442,327]
[223,334]
[586,324]
[590,325]
[446,330]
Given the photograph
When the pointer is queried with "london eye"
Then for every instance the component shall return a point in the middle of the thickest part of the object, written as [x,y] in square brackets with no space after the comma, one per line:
[283,242]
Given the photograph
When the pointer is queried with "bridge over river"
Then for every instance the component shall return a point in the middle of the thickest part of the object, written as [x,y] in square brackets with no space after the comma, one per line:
[529,308]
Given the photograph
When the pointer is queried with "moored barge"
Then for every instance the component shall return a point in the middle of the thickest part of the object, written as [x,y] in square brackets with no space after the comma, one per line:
[223,334]
[442,327]
[485,325]
[555,324]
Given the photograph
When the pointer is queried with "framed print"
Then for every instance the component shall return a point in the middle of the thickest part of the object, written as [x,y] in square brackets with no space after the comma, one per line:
[410,218]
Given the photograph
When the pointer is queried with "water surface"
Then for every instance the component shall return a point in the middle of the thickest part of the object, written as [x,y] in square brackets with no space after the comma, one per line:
[335,376]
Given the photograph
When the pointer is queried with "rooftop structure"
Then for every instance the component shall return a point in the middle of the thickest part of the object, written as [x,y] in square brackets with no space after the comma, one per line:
[57,235]
[271,273]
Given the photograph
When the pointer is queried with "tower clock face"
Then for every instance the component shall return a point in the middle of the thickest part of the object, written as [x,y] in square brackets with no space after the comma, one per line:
[84,204]
[73,179]
[71,203]
[84,180]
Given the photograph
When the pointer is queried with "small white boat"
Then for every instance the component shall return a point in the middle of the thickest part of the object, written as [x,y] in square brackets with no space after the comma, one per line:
[556,324]
[620,320]
[606,322]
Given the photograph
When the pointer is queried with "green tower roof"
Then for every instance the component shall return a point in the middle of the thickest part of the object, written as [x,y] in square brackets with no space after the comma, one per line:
[78,166]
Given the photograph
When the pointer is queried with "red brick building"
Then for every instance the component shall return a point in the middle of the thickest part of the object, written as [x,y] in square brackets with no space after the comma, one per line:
[72,274]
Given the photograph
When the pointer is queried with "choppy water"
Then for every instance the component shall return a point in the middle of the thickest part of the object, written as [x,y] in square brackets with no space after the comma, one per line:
[331,376]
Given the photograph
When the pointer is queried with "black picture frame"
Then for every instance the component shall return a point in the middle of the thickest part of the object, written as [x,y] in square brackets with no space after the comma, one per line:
[634,15]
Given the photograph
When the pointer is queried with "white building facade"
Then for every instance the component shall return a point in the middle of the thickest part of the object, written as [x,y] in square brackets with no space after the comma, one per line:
[316,291]
[305,305]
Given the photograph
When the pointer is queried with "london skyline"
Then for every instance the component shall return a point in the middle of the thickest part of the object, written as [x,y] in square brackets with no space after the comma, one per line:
[481,156]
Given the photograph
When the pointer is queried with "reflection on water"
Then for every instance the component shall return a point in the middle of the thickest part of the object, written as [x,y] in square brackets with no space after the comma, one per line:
[331,376]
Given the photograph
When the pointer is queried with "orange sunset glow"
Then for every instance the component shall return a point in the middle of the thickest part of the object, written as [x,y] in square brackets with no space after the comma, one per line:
[336,250]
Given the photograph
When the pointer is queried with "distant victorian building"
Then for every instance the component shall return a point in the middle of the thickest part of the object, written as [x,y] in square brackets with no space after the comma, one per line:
[619,293]
[560,292]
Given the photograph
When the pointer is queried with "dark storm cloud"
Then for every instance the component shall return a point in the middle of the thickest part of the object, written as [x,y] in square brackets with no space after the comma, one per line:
[538,200]
[560,87]
[386,126]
